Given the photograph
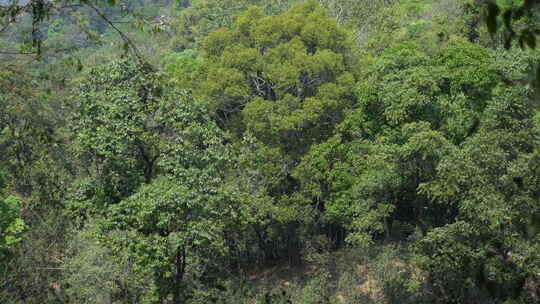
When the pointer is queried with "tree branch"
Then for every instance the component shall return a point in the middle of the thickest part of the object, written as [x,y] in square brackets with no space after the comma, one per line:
[124,37]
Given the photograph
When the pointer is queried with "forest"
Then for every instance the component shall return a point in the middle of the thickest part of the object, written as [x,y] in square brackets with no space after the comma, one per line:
[269,151]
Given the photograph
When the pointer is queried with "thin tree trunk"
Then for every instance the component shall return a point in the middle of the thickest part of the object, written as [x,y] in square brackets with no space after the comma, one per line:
[178,289]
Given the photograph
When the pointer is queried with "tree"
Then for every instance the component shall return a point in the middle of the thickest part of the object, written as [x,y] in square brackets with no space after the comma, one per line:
[155,167]
[126,120]
[492,180]
[38,166]
[173,231]
[412,111]
[280,76]
[284,80]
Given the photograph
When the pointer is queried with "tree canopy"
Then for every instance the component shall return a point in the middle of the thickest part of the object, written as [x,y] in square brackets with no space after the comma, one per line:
[283,151]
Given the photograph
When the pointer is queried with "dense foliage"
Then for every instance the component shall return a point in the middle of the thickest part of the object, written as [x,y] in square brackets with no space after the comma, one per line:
[247,151]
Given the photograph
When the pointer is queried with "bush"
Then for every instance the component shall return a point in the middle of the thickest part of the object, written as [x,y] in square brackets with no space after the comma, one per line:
[93,275]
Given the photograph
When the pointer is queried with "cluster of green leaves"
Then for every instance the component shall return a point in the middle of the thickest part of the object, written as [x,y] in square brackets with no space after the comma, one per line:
[11,224]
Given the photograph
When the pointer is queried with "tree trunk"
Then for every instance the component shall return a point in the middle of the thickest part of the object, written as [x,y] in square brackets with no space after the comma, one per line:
[178,288]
